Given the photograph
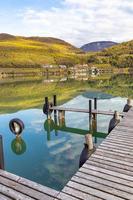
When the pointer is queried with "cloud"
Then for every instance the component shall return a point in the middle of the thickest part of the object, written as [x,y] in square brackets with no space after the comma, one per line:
[79,22]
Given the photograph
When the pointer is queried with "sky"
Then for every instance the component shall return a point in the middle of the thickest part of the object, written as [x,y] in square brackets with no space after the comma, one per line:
[75,21]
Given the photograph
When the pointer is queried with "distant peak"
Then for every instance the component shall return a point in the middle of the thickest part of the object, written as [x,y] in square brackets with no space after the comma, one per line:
[97,46]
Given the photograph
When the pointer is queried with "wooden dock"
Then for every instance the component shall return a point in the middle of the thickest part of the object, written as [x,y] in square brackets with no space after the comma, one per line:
[18,188]
[108,173]
[97,112]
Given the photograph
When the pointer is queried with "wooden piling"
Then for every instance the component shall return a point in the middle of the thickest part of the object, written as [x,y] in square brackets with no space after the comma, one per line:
[55,103]
[47,106]
[90,115]
[94,120]
[89,141]
[1,154]
[61,118]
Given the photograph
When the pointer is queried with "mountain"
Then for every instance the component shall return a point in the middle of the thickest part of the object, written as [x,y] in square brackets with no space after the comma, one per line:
[97,46]
[120,56]
[18,51]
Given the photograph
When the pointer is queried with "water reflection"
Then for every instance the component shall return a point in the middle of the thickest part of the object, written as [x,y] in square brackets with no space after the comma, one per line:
[23,93]
[2,165]
[18,145]
[49,149]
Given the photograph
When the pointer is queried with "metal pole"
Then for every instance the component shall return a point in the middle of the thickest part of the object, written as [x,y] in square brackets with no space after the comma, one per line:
[1,154]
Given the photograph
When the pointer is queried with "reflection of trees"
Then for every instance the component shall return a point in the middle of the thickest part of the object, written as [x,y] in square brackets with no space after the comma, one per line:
[119,85]
[30,94]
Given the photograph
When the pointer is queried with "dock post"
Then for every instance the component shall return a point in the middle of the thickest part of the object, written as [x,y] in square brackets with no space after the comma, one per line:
[55,103]
[61,118]
[90,144]
[95,103]
[47,106]
[89,141]
[90,115]
[94,121]
[56,124]
[1,154]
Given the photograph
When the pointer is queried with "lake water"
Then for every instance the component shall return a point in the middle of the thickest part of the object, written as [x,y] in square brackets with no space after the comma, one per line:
[47,155]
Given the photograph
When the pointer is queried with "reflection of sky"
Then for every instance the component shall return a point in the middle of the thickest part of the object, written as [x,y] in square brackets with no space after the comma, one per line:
[46,162]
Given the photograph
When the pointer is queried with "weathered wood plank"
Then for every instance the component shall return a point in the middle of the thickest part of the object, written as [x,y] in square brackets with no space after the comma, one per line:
[110,172]
[119,144]
[106,176]
[116,146]
[117,150]
[3,197]
[109,167]
[59,108]
[79,194]
[105,154]
[92,191]
[127,142]
[111,162]
[103,181]
[29,192]
[128,157]
[64,196]
[43,189]
[29,184]
[7,191]
[103,188]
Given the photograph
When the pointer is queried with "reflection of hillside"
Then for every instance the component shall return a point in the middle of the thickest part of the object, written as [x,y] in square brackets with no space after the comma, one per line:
[27,93]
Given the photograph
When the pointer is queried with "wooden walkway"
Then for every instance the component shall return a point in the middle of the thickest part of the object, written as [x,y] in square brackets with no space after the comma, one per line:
[18,188]
[98,112]
[108,173]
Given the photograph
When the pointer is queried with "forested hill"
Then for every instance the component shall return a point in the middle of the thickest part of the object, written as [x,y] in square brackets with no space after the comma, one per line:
[120,55]
[35,51]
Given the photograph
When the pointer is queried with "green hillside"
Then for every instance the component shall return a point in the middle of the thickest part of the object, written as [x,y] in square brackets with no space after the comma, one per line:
[120,56]
[18,54]
[35,51]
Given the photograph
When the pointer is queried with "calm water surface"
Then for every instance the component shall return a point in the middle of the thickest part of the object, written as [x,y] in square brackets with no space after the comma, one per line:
[51,157]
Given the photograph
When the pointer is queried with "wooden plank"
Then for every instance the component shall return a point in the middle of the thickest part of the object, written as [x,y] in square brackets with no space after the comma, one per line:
[113,149]
[9,175]
[43,189]
[102,188]
[105,154]
[29,184]
[64,196]
[110,163]
[7,191]
[106,182]
[106,175]
[75,192]
[113,161]
[118,144]
[110,172]
[3,197]
[58,108]
[128,157]
[92,191]
[115,146]
[29,192]
[122,129]
[121,136]
[127,142]
[109,167]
